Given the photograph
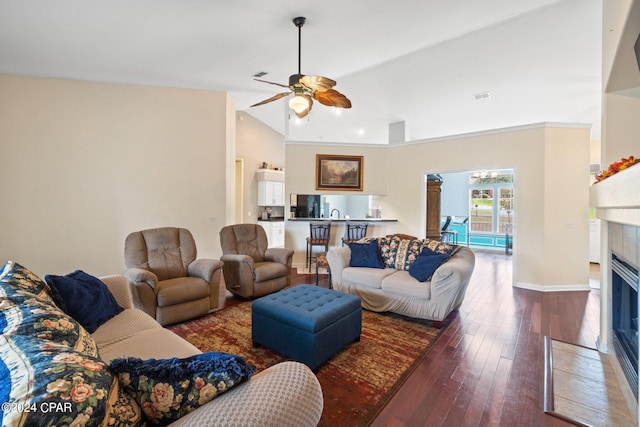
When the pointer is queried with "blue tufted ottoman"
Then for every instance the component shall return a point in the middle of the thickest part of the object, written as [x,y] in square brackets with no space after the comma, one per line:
[307,323]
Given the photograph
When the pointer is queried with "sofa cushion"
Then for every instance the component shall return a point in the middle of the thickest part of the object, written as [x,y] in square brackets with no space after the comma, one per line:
[401,283]
[269,270]
[181,289]
[167,389]
[426,264]
[84,297]
[365,255]
[60,386]
[366,276]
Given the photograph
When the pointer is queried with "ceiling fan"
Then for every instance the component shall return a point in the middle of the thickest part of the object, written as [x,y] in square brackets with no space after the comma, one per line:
[306,88]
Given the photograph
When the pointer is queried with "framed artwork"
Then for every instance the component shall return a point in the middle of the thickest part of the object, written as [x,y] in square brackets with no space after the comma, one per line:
[336,172]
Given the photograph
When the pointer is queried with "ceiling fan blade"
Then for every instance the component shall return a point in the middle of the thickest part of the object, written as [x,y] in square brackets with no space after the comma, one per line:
[317,83]
[271,83]
[332,98]
[273,98]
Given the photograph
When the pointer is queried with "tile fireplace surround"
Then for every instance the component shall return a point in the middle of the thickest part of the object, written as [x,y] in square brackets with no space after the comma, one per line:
[617,203]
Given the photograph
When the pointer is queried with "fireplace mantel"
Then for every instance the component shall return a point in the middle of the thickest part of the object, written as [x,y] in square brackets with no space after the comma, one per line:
[617,198]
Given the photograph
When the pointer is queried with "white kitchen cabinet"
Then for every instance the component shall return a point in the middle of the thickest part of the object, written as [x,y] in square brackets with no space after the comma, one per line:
[270,193]
[275,233]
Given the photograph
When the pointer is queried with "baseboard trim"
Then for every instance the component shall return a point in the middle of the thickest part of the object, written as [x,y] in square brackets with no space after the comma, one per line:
[553,288]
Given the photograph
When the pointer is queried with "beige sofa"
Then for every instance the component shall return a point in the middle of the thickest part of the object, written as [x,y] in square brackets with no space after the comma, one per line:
[395,290]
[287,394]
[56,369]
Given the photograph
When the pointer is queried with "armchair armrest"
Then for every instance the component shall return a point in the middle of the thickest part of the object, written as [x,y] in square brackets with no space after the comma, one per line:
[238,273]
[236,258]
[204,268]
[144,290]
[139,275]
[279,255]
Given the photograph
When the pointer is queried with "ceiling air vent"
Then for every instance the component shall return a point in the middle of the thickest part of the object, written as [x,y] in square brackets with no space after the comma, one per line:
[260,74]
[481,96]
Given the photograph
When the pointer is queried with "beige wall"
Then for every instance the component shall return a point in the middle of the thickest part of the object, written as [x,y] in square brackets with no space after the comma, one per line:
[551,167]
[84,164]
[256,143]
[621,128]
[301,166]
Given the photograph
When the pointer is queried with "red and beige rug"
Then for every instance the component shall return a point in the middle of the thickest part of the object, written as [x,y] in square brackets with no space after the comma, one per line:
[357,382]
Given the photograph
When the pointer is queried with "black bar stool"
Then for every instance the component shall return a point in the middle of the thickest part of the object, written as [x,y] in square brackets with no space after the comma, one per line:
[354,231]
[319,233]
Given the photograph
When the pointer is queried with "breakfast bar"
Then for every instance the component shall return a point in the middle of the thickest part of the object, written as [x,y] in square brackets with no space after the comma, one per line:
[297,230]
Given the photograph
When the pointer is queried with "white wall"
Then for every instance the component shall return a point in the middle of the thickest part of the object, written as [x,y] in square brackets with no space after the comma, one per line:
[83,164]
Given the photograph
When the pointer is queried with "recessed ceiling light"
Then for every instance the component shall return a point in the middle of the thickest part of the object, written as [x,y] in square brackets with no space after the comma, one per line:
[361,131]
[260,74]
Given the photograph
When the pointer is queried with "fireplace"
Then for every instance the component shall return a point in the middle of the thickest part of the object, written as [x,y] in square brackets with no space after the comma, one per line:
[624,317]
[617,203]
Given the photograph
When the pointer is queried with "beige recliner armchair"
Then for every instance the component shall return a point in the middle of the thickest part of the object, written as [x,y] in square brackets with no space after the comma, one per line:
[168,282]
[250,268]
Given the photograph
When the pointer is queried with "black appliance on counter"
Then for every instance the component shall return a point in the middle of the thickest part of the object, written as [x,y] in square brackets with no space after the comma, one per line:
[306,205]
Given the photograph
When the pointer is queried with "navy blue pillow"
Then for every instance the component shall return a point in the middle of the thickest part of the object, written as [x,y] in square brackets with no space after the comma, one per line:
[83,297]
[426,264]
[365,255]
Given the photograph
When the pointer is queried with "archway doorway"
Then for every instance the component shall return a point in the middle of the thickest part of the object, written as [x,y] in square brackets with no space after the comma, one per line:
[480,208]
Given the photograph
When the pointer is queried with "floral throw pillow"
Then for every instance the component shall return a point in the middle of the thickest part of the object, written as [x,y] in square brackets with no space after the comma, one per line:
[22,281]
[167,389]
[47,384]
[399,253]
[36,318]
[27,309]
[388,248]
[439,247]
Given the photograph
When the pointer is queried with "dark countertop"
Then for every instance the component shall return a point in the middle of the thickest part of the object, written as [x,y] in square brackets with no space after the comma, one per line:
[273,219]
[343,219]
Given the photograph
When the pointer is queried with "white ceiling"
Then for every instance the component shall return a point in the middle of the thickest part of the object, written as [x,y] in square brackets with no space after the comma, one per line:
[414,61]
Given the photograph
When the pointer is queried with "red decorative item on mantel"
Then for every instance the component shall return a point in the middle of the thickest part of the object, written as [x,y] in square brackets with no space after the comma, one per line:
[616,167]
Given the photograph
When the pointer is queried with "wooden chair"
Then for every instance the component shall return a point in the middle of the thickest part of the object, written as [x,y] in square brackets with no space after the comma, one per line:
[354,231]
[319,234]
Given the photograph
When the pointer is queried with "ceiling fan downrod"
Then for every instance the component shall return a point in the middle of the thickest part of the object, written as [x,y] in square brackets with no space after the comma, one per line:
[299,22]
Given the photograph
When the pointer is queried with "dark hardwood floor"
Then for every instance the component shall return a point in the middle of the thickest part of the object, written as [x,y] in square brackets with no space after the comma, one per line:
[487,367]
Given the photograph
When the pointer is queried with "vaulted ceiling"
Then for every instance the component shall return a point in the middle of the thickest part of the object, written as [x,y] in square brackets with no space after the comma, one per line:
[417,64]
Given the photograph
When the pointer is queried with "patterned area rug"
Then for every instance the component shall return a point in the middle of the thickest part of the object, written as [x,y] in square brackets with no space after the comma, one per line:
[357,382]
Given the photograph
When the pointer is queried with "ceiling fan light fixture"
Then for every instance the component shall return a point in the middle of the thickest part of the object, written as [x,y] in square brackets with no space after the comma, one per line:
[307,88]
[299,103]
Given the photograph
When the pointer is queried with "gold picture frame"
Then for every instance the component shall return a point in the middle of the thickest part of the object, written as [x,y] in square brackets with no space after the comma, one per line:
[338,172]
